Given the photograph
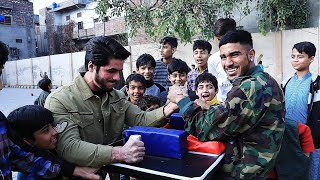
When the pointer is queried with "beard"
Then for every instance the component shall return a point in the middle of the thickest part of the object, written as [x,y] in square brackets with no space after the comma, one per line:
[102,85]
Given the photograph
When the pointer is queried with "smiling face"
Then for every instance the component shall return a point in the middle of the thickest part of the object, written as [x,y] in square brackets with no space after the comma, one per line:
[201,57]
[300,61]
[147,71]
[135,91]
[206,91]
[236,59]
[45,138]
[106,76]
[177,78]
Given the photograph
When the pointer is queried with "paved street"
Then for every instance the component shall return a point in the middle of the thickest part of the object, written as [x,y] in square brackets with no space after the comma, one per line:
[12,98]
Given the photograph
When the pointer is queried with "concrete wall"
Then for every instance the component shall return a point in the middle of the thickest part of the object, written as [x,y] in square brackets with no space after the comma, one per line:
[62,68]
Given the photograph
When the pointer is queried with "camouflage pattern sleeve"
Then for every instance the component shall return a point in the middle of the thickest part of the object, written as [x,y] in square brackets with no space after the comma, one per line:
[221,120]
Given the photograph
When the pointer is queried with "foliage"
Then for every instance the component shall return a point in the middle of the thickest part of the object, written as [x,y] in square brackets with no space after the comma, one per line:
[282,14]
[187,18]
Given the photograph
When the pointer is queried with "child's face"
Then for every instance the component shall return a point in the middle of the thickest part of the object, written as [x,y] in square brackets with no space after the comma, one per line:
[166,51]
[300,62]
[178,78]
[201,57]
[135,91]
[206,91]
[146,71]
[46,137]
[153,107]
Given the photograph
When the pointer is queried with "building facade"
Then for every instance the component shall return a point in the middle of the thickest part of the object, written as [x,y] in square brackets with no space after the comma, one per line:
[17,28]
[56,20]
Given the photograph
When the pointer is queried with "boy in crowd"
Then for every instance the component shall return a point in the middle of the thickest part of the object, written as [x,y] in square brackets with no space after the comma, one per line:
[40,138]
[201,53]
[149,103]
[302,98]
[145,66]
[206,90]
[168,46]
[221,27]
[136,86]
[46,85]
[178,71]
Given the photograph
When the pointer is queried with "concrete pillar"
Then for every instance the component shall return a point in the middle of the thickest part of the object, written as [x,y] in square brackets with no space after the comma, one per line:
[278,54]
[15,63]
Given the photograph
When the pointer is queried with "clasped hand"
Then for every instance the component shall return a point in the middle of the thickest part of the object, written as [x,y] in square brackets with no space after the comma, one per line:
[176,93]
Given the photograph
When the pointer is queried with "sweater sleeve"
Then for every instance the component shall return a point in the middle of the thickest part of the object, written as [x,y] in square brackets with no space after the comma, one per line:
[306,140]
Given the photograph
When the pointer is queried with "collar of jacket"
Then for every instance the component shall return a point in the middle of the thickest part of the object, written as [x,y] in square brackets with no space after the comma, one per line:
[86,92]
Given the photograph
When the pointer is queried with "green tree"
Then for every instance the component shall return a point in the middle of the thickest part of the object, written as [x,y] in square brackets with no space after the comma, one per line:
[187,18]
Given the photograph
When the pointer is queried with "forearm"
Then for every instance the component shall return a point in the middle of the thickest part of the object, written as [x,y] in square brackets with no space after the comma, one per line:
[136,117]
[83,153]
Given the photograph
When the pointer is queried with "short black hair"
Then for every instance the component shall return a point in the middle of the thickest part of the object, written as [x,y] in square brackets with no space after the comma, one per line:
[4,52]
[178,65]
[144,59]
[44,84]
[100,50]
[207,77]
[172,41]
[148,100]
[306,47]
[223,25]
[28,119]
[238,36]
[202,44]
[136,77]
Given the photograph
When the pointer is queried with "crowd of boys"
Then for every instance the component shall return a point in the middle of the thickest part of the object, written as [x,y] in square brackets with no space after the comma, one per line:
[227,97]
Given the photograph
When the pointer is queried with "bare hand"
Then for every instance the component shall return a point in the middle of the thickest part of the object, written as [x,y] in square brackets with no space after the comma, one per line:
[176,93]
[86,173]
[202,104]
[131,152]
[170,108]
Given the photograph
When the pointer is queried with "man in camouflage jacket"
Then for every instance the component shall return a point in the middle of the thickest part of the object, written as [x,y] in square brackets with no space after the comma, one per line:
[250,121]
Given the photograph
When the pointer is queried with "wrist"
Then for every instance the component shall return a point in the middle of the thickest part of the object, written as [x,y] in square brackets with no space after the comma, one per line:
[116,154]
[178,98]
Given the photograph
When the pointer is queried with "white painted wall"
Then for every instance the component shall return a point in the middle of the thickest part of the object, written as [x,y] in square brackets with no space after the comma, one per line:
[77,62]
[24,72]
[40,65]
[61,69]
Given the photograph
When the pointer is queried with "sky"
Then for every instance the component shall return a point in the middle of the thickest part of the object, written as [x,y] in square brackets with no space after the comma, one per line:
[39,4]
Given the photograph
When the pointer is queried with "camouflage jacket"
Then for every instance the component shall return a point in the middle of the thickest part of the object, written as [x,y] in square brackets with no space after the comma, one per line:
[250,122]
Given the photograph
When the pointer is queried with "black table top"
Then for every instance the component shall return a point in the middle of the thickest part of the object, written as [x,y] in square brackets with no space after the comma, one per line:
[193,166]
